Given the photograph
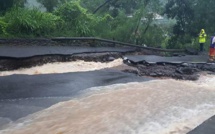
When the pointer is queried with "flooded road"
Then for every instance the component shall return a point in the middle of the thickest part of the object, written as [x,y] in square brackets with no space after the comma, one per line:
[153,107]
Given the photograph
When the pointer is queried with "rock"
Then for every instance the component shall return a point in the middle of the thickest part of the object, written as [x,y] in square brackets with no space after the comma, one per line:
[152,74]
[161,63]
[128,62]
[178,70]
[160,74]
[110,58]
[185,64]
[186,70]
[131,71]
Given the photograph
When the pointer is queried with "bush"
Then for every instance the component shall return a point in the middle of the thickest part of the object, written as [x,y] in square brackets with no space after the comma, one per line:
[76,18]
[30,22]
[78,22]
[118,28]
[3,26]
[154,37]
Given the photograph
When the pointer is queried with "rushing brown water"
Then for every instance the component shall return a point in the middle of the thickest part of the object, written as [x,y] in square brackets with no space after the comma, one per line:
[154,107]
[59,67]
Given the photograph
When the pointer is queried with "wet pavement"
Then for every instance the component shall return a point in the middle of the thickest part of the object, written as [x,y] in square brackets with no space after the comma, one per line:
[21,95]
[28,51]
[207,127]
[175,59]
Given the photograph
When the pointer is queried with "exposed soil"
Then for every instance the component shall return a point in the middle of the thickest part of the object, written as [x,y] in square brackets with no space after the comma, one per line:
[185,73]
[182,71]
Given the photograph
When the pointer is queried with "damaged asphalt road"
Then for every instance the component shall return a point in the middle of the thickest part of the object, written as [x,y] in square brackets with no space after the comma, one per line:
[185,67]
[21,95]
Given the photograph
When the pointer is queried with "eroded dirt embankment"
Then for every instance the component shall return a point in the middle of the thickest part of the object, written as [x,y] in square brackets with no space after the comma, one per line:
[178,71]
[7,63]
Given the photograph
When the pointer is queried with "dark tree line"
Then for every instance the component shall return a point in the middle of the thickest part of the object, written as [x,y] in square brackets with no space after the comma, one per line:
[190,16]
[78,17]
[6,4]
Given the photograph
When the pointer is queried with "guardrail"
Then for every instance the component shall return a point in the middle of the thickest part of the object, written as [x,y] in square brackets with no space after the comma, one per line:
[116,42]
[2,41]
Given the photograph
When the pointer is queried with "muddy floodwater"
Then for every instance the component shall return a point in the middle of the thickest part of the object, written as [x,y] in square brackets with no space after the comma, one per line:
[59,67]
[154,107]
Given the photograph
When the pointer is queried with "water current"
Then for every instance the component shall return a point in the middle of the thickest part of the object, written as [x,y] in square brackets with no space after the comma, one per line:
[154,107]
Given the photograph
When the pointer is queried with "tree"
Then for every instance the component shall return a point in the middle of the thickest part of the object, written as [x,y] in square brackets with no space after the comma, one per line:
[102,5]
[190,16]
[50,5]
[6,4]
[23,21]
[203,17]
[182,12]
[76,17]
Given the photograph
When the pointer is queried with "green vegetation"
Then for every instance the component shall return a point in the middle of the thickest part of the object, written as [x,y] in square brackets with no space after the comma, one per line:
[7,4]
[24,22]
[130,21]
[50,5]
[191,16]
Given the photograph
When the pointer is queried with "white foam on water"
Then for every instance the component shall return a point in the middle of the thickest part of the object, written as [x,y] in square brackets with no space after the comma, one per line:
[60,67]
[154,107]
[182,121]
[207,81]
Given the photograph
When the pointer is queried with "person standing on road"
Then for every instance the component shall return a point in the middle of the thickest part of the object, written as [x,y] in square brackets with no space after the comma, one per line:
[202,39]
[212,49]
